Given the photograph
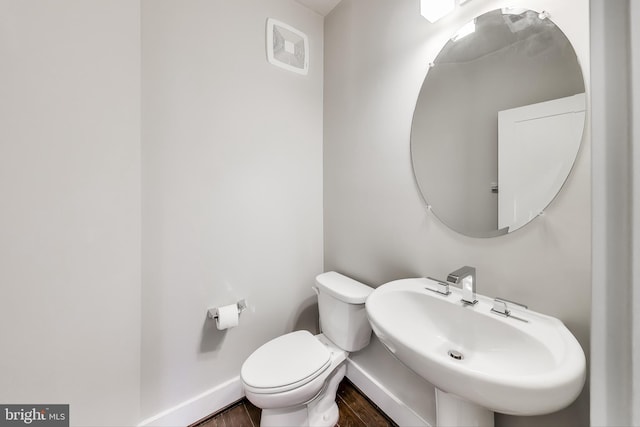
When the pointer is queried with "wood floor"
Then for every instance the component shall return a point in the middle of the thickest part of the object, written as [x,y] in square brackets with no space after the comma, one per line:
[355,411]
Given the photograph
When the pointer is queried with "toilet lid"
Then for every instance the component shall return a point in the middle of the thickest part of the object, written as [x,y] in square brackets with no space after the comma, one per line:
[297,357]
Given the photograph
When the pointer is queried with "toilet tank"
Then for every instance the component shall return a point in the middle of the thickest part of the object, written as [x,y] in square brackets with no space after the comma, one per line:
[342,314]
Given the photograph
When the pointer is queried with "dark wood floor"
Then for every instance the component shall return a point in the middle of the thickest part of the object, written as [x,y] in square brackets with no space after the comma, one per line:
[355,411]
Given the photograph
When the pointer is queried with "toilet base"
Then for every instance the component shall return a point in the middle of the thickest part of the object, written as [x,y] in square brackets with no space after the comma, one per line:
[296,416]
[322,411]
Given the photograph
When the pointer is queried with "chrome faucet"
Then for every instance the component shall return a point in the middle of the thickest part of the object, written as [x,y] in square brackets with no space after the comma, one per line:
[466,278]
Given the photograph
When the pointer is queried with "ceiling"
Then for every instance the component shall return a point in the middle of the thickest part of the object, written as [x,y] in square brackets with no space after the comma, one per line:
[323,7]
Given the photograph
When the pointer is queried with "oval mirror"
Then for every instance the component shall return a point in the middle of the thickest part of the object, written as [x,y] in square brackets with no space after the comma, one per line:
[498,122]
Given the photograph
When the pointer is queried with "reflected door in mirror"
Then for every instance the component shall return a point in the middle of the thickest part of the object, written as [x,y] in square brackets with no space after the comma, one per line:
[536,146]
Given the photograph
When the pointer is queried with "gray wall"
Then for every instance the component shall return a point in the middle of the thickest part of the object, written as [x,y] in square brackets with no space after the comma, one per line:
[70,207]
[232,189]
[615,378]
[376,228]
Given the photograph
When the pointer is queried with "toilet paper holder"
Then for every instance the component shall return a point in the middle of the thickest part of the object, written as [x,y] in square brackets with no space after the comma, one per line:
[212,312]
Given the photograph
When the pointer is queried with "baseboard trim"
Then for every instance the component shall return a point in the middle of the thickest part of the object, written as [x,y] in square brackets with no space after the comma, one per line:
[225,394]
[199,406]
[398,411]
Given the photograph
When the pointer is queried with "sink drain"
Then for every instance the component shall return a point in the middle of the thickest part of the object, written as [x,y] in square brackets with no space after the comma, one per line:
[456,355]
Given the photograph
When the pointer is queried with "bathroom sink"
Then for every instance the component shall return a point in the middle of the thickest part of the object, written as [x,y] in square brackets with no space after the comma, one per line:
[531,366]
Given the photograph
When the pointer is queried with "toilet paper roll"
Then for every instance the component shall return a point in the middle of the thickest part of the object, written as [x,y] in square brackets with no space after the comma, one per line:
[227,316]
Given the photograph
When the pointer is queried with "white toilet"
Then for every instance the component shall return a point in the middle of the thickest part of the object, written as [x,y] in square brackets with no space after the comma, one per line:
[294,378]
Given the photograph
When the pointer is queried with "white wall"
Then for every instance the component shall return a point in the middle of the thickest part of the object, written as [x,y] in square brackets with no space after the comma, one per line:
[232,189]
[615,380]
[70,207]
[376,229]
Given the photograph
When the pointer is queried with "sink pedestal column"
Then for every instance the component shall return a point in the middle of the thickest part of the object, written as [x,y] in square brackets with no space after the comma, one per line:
[453,411]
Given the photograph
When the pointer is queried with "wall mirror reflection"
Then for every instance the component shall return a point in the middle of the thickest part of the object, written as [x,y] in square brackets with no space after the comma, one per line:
[498,122]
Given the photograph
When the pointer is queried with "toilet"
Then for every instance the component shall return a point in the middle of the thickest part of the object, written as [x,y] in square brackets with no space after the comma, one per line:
[294,378]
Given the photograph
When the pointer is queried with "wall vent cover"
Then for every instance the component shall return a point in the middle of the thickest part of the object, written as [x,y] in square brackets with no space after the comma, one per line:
[287,47]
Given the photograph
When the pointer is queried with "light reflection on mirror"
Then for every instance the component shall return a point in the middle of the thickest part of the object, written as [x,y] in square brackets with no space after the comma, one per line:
[498,122]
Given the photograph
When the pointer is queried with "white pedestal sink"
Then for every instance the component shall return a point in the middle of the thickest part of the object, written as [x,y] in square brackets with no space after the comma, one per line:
[453,411]
[479,362]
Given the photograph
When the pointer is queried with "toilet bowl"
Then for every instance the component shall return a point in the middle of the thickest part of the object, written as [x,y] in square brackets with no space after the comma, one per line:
[294,378]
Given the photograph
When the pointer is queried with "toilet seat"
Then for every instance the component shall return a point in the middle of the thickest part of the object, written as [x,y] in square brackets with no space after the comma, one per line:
[285,363]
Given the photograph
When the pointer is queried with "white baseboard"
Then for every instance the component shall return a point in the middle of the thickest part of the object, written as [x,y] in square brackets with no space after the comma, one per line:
[218,397]
[198,406]
[398,411]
